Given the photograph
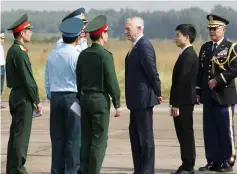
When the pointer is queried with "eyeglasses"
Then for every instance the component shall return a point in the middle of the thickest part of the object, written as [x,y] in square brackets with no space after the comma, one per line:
[213,28]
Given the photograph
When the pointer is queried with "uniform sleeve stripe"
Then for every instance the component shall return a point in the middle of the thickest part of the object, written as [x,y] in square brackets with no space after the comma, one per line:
[233,154]
[223,78]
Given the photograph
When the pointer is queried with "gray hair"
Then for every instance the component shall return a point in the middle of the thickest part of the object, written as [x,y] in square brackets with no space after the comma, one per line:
[137,20]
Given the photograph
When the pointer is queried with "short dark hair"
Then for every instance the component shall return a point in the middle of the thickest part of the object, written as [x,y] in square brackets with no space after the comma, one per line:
[95,37]
[187,29]
[69,40]
[16,35]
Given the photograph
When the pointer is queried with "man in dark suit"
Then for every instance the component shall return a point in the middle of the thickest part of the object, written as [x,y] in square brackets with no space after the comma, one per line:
[216,90]
[183,96]
[143,92]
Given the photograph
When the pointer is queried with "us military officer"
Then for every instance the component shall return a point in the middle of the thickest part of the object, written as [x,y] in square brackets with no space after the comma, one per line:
[217,91]
[79,13]
[61,88]
[23,97]
[94,89]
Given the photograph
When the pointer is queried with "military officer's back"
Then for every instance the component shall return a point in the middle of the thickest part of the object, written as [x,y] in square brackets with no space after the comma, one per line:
[96,81]
[61,89]
[217,91]
[23,96]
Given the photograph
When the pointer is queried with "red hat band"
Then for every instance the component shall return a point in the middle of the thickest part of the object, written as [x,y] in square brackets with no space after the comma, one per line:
[101,30]
[21,27]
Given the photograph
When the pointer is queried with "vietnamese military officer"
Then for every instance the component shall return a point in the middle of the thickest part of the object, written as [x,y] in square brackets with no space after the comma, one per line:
[61,88]
[23,97]
[79,13]
[217,91]
[94,89]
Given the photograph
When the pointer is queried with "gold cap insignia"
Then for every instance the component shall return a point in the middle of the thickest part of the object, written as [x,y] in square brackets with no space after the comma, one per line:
[82,16]
[210,18]
[215,23]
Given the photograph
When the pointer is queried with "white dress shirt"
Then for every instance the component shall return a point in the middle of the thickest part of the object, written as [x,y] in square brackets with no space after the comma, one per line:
[218,43]
[134,43]
[2,60]
[184,49]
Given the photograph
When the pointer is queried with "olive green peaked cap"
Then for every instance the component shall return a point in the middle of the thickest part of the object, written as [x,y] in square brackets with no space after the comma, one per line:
[97,25]
[21,24]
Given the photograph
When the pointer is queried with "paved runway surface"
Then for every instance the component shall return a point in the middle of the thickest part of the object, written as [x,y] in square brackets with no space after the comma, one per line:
[118,157]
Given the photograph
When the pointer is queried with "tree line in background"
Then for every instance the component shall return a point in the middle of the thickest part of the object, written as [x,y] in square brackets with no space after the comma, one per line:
[158,24]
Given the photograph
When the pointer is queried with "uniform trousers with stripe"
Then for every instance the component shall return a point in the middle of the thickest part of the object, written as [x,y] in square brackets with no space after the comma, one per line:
[219,134]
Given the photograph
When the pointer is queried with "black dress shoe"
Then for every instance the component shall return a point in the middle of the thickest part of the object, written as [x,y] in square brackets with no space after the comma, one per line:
[225,167]
[183,172]
[209,167]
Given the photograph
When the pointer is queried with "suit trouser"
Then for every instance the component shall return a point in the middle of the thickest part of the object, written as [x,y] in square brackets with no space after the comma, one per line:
[142,140]
[20,131]
[218,126]
[95,113]
[185,134]
[64,133]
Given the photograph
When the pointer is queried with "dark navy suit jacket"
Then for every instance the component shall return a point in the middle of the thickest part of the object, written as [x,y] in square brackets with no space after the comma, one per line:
[142,83]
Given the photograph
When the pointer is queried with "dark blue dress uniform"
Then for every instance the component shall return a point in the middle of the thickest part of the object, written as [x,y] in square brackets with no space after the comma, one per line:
[218,61]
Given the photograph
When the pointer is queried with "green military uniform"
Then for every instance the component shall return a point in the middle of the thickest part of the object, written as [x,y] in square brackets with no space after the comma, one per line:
[96,81]
[24,93]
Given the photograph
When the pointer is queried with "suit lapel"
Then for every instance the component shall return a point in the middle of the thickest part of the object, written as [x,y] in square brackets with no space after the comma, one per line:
[187,49]
[209,51]
[134,48]
[181,56]
[136,45]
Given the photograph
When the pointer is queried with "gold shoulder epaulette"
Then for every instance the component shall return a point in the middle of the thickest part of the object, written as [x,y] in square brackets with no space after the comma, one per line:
[22,48]
[232,48]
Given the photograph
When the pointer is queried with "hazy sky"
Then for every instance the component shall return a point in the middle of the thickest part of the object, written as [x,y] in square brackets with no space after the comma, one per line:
[138,5]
